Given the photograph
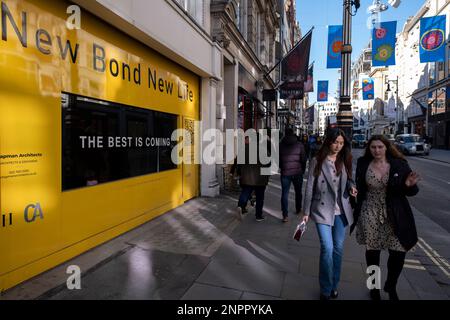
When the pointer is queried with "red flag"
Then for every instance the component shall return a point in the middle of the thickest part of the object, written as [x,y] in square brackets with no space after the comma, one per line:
[294,66]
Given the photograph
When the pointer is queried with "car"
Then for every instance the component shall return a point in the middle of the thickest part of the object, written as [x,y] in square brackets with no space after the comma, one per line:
[390,137]
[412,144]
[359,140]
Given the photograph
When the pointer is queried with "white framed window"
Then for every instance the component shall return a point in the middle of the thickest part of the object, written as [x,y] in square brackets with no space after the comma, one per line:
[194,8]
[242,17]
[258,34]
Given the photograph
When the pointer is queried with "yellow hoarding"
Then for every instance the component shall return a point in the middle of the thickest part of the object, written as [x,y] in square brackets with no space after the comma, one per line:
[42,61]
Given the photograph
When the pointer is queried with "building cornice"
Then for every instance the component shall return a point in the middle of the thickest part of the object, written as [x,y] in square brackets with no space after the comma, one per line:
[410,25]
[378,70]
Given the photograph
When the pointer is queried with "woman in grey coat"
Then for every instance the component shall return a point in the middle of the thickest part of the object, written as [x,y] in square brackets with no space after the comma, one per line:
[327,202]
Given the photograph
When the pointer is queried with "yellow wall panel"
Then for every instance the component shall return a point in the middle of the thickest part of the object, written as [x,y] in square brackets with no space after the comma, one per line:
[51,226]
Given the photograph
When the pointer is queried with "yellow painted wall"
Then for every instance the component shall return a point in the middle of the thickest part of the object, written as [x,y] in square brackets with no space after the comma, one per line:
[31,83]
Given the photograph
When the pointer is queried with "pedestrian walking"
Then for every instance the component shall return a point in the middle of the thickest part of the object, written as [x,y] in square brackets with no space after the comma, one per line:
[312,140]
[305,141]
[252,180]
[382,216]
[327,202]
[315,146]
[292,167]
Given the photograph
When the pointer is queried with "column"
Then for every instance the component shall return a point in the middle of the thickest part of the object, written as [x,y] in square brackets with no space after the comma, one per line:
[209,185]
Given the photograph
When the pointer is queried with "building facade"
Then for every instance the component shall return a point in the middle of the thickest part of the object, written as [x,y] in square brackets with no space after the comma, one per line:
[361,69]
[424,105]
[326,114]
[246,31]
[86,120]
[253,36]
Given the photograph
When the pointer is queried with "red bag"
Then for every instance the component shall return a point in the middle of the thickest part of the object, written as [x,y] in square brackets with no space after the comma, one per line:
[301,228]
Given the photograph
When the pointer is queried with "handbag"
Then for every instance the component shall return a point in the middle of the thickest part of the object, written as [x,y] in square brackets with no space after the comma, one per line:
[299,231]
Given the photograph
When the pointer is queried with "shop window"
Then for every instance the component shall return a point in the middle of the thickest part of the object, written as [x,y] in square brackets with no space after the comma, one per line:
[246,111]
[439,105]
[432,73]
[105,141]
[138,162]
[432,101]
[448,61]
[447,94]
[251,113]
[440,70]
[168,125]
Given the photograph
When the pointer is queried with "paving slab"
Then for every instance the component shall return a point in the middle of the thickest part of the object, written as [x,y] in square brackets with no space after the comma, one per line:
[255,296]
[258,278]
[300,287]
[208,292]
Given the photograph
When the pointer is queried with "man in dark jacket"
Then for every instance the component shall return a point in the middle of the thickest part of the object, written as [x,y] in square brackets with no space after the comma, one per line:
[251,180]
[292,165]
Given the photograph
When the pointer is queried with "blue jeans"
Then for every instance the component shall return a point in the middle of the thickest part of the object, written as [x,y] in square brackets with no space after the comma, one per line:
[297,181]
[331,250]
[246,194]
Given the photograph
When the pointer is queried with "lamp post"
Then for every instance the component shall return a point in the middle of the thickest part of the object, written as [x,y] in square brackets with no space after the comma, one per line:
[396,101]
[345,115]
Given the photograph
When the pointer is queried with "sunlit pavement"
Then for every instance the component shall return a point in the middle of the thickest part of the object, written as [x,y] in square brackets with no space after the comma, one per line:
[201,251]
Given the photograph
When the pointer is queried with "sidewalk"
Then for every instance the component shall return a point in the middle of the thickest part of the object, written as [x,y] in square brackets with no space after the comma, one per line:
[201,252]
[440,155]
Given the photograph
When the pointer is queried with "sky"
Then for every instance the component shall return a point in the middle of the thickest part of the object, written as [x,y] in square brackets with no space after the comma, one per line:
[321,13]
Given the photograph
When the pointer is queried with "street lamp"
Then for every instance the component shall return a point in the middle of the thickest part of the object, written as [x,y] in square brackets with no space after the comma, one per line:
[345,115]
[396,100]
[375,9]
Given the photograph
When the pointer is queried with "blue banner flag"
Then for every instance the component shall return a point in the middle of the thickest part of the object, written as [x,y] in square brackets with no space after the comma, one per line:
[432,39]
[383,43]
[322,93]
[334,47]
[368,89]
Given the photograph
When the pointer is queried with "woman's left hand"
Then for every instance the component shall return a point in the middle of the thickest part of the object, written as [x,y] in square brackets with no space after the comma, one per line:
[353,192]
[412,179]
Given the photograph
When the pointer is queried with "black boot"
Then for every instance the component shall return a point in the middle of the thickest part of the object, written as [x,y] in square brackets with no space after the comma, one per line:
[324,297]
[375,294]
[395,266]
[334,294]
[373,259]
[392,293]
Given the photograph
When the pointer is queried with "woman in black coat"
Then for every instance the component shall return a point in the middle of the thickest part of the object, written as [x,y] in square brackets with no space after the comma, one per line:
[382,215]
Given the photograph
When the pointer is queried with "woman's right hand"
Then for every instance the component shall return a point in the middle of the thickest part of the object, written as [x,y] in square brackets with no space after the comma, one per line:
[305,219]
[412,179]
[354,192]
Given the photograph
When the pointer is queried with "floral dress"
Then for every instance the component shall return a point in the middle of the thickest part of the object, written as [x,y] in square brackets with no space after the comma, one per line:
[374,229]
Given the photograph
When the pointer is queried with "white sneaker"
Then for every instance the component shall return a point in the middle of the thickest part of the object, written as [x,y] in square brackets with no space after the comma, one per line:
[239,213]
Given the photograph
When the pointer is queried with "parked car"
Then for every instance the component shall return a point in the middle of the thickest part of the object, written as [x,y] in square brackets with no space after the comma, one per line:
[390,137]
[411,144]
[359,140]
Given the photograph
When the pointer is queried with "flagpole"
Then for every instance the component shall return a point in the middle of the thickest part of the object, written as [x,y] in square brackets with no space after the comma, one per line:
[345,115]
[293,48]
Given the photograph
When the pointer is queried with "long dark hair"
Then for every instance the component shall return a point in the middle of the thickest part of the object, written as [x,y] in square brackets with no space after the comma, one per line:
[344,157]
[391,150]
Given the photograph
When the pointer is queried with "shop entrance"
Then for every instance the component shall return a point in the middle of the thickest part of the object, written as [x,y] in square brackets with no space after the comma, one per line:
[190,170]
